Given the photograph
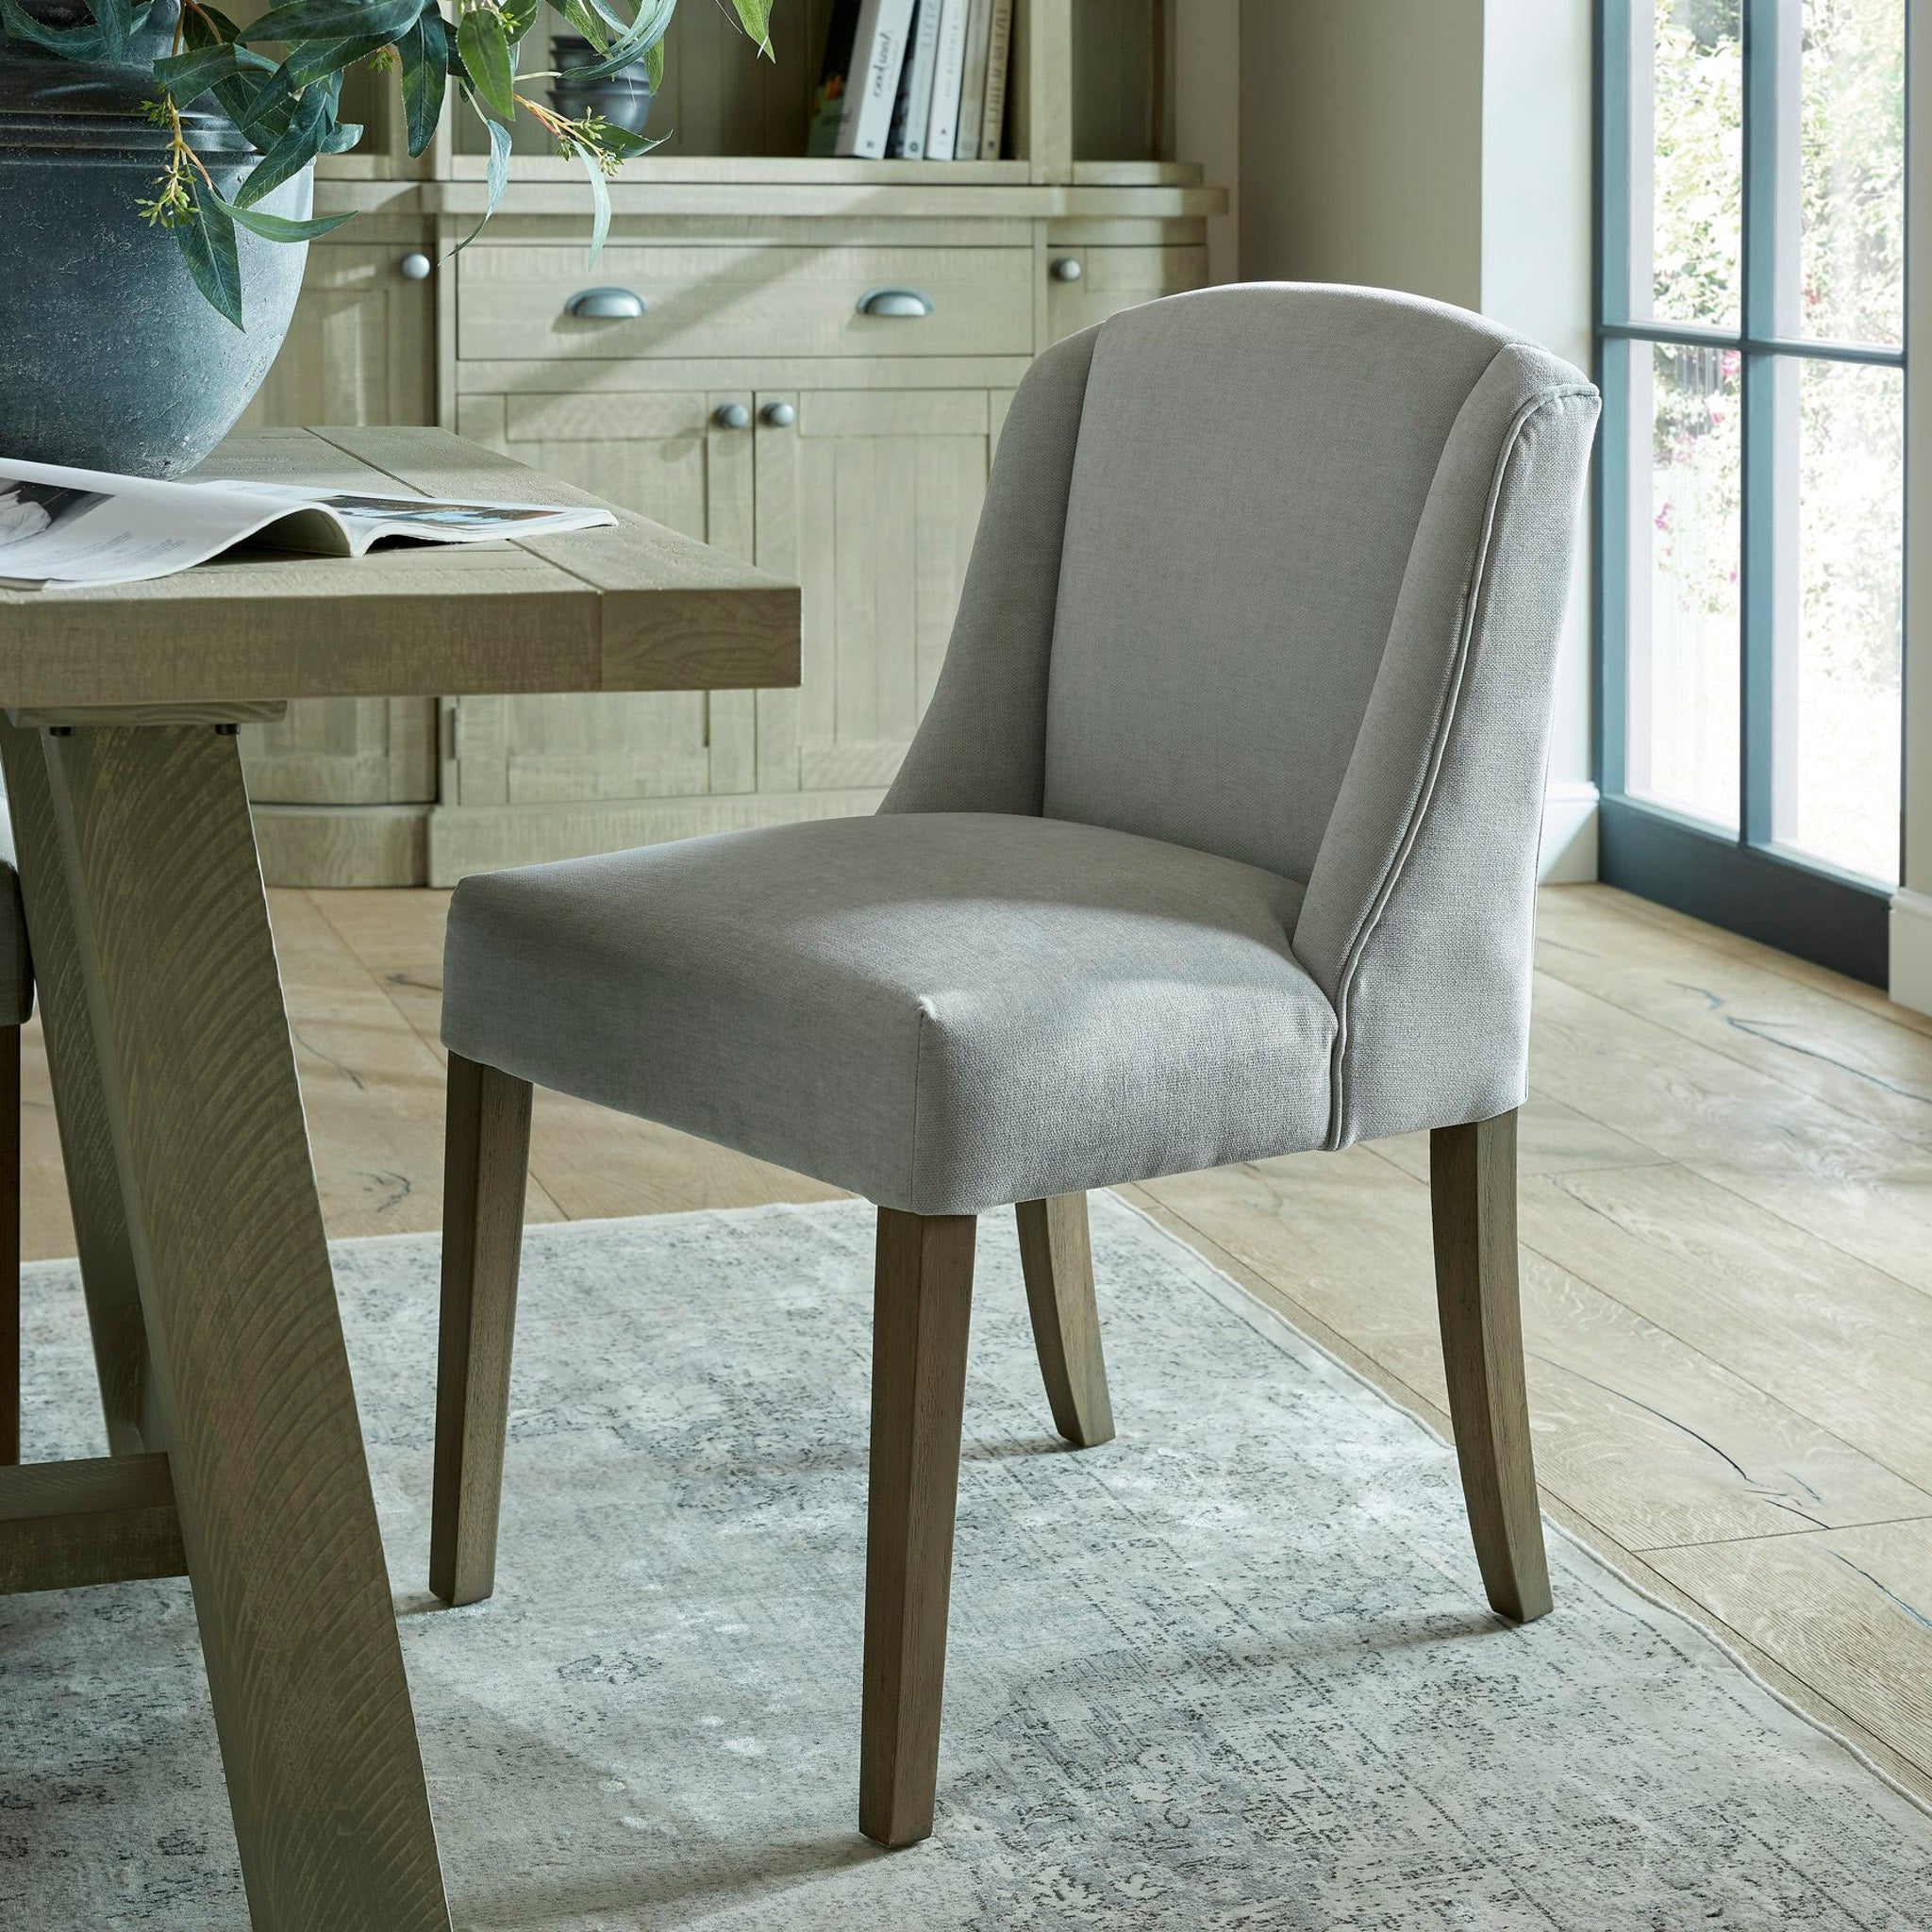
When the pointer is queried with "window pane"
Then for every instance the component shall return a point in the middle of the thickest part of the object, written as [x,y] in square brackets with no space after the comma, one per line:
[1681,744]
[1838,722]
[1852,170]
[1694,162]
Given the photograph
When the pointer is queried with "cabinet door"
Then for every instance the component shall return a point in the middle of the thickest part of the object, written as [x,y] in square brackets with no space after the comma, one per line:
[1113,277]
[362,349]
[869,500]
[362,346]
[660,453]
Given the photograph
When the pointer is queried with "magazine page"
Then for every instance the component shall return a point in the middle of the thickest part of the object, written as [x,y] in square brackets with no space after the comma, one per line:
[91,526]
[360,519]
[88,527]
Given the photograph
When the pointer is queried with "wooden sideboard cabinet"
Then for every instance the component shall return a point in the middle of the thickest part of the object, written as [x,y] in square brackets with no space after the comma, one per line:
[748,401]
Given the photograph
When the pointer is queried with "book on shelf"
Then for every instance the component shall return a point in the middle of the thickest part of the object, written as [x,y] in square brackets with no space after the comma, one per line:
[878,52]
[949,62]
[972,80]
[999,47]
[829,97]
[913,111]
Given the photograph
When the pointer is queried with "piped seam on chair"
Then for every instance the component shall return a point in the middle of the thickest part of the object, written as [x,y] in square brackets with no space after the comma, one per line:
[1474,605]
[923,1009]
[1053,629]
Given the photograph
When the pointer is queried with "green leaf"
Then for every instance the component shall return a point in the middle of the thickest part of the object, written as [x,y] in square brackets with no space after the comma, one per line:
[499,168]
[209,26]
[75,43]
[519,16]
[625,145]
[499,173]
[485,48]
[264,112]
[653,67]
[314,61]
[207,241]
[425,51]
[115,19]
[377,20]
[270,227]
[600,203]
[342,136]
[634,42]
[190,75]
[308,127]
[586,22]
[754,16]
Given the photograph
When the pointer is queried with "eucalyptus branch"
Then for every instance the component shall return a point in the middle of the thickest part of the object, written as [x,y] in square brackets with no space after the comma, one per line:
[172,201]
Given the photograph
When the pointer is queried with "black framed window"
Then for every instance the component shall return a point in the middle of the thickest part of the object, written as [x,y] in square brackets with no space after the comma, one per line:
[1751,483]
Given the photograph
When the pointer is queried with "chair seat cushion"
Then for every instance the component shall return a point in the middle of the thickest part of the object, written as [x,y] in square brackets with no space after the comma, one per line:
[942,1012]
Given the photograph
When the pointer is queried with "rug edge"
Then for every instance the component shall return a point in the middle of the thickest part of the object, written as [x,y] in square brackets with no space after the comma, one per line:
[1274,1318]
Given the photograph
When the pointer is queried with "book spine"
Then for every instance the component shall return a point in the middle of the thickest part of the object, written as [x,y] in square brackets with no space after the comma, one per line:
[949,62]
[878,52]
[973,81]
[829,97]
[915,88]
[992,121]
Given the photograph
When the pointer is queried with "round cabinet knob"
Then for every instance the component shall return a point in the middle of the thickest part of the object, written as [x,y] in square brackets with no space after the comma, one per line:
[1066,268]
[779,415]
[731,416]
[415,267]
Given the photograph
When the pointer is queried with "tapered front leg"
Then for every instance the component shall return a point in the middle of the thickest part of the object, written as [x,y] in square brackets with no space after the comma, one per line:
[922,1299]
[486,1170]
[1472,1195]
[1057,1261]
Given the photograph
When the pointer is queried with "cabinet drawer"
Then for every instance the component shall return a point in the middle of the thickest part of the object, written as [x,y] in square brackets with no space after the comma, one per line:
[722,301]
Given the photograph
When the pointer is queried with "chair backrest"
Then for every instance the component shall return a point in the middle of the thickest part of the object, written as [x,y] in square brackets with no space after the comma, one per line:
[1251,469]
[1278,573]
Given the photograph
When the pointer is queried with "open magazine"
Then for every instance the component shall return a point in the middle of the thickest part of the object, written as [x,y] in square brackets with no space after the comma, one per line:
[89,526]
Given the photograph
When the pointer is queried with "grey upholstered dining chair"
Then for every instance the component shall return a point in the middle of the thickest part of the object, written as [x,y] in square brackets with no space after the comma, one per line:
[1218,842]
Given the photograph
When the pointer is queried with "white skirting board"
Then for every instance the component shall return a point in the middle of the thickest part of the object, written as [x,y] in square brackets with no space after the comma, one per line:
[1911,949]
[1568,856]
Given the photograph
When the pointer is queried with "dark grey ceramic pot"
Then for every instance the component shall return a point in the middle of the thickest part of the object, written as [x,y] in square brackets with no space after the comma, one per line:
[623,98]
[109,357]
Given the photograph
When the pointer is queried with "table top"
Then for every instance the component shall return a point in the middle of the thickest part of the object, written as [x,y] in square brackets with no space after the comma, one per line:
[639,608]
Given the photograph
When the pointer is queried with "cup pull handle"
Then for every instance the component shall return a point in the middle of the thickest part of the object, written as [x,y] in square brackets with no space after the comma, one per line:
[606,304]
[903,301]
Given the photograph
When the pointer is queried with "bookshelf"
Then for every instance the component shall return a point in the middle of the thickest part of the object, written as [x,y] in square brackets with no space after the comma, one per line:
[748,402]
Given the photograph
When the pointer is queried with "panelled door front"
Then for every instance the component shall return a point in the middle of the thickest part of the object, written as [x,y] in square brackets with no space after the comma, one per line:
[360,350]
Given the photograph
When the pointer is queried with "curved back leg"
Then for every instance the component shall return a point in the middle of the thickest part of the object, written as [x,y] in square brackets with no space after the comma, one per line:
[1473,1198]
[486,1167]
[1058,1265]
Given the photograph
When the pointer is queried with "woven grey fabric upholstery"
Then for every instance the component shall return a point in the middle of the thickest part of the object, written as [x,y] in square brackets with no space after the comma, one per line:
[1267,590]
[937,1010]
[16,968]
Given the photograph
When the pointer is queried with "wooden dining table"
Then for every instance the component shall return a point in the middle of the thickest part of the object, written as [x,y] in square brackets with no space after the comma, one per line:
[237,1452]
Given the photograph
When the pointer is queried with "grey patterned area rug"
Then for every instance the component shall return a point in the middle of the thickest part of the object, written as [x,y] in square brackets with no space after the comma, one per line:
[1232,1670]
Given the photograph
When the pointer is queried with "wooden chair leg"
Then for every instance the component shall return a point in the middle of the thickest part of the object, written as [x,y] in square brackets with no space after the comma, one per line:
[1472,1195]
[1058,1266]
[922,1300]
[485,1165]
[10,1244]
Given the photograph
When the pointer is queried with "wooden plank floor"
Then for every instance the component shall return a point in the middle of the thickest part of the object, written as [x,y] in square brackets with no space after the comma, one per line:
[1727,1270]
